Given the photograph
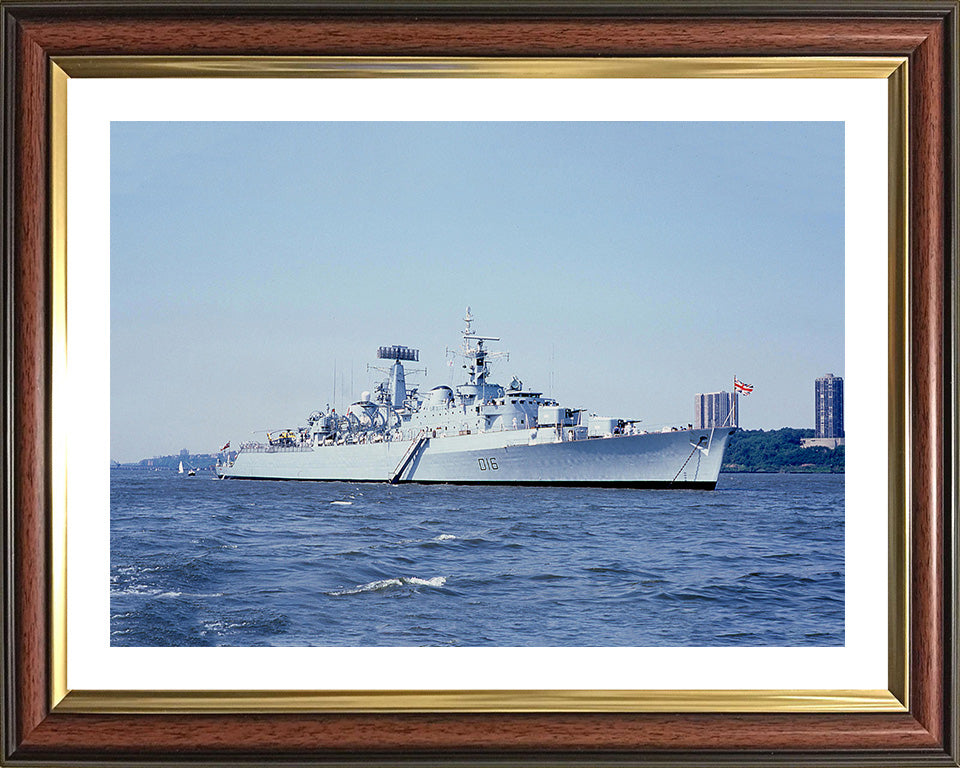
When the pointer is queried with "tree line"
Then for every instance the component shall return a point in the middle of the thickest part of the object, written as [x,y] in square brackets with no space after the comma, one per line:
[779,450]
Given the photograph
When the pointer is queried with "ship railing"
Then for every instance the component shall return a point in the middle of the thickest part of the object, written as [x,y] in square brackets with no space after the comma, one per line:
[277,449]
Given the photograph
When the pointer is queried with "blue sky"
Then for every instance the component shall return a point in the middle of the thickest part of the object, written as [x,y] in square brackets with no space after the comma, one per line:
[626,266]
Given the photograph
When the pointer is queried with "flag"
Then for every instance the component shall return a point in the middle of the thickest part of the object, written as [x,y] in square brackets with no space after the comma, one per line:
[225,447]
[738,385]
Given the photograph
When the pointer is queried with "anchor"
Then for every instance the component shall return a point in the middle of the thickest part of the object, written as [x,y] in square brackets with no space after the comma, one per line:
[696,447]
[699,444]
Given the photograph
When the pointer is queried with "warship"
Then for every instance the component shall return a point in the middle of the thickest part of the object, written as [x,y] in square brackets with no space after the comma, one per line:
[478,432]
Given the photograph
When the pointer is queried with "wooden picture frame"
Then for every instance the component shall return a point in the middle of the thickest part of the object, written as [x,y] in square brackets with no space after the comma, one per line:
[35,34]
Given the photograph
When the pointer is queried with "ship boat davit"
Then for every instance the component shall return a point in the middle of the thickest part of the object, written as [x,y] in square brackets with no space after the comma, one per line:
[479,433]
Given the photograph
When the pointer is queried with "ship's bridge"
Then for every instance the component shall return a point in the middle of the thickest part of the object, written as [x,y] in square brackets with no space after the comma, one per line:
[517,396]
[472,393]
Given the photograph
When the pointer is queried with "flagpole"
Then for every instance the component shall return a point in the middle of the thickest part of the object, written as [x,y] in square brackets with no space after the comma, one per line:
[736,401]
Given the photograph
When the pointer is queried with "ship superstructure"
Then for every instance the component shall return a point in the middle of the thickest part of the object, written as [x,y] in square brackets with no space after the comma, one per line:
[478,432]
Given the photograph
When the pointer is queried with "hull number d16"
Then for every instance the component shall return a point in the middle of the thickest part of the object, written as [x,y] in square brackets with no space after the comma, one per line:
[490,463]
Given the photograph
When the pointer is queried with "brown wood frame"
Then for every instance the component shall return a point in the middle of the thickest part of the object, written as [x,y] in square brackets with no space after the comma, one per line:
[925,32]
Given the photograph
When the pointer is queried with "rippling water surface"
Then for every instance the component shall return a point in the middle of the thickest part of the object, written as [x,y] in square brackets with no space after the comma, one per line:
[198,561]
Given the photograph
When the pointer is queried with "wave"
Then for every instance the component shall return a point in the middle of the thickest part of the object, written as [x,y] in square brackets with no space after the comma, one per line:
[127,570]
[141,590]
[429,542]
[685,597]
[382,584]
[223,625]
[436,581]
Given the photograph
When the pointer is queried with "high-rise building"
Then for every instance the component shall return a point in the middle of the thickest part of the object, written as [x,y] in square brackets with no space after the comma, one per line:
[829,406]
[716,409]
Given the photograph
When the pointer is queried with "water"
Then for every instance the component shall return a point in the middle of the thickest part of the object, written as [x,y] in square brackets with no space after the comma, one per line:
[198,562]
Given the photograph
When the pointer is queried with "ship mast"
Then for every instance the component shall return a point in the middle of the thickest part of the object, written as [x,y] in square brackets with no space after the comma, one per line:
[478,355]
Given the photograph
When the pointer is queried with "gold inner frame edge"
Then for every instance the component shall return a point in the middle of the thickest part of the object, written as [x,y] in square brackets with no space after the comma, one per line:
[894,69]
[729,701]
[433,66]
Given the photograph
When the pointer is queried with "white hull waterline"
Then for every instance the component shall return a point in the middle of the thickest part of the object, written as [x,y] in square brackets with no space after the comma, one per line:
[682,459]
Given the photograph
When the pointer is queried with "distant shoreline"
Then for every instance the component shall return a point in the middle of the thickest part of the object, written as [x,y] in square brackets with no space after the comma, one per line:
[779,451]
[730,469]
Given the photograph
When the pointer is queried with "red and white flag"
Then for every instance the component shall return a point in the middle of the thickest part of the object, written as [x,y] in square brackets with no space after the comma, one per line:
[738,385]
[225,447]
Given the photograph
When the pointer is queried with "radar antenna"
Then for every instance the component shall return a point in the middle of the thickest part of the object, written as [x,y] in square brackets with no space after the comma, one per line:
[394,391]
[398,352]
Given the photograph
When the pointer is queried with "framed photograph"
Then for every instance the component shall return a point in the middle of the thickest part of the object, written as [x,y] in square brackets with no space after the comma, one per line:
[217,214]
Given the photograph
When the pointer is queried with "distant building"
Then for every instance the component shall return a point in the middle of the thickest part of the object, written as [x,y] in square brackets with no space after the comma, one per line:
[715,409]
[821,442]
[829,407]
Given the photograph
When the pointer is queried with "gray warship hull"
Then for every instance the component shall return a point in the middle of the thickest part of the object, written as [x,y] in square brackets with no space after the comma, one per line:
[675,459]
